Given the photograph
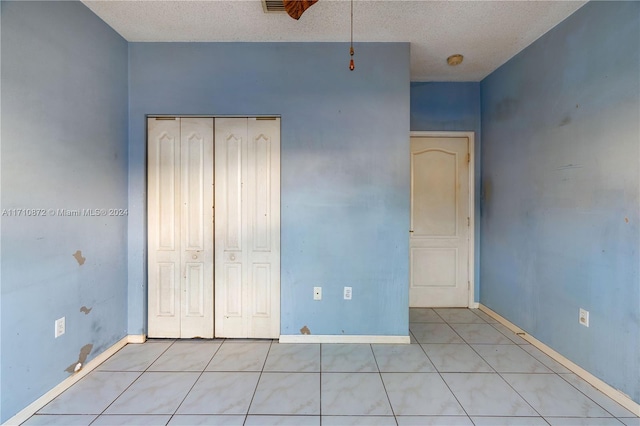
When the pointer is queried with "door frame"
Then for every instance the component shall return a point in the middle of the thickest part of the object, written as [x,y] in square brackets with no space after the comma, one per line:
[471,303]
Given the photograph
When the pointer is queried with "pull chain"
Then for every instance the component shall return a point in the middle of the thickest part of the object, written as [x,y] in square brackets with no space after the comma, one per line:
[352,65]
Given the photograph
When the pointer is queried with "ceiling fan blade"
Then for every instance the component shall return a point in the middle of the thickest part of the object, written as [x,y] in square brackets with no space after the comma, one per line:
[295,8]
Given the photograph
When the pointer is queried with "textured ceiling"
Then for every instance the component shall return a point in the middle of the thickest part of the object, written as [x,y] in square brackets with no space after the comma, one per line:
[487,33]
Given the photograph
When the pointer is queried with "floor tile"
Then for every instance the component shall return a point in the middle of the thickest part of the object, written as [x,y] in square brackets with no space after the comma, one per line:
[456,357]
[245,356]
[583,421]
[92,394]
[353,394]
[129,419]
[402,358]
[459,316]
[510,334]
[510,359]
[205,420]
[598,397]
[59,420]
[484,316]
[434,421]
[135,357]
[434,333]
[424,315]
[481,334]
[282,420]
[487,394]
[549,362]
[154,393]
[358,421]
[352,358]
[420,394]
[509,421]
[186,356]
[300,357]
[221,393]
[550,395]
[287,394]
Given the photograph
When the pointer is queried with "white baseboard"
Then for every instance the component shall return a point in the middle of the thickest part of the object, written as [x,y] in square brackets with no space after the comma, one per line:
[36,405]
[329,338]
[136,338]
[613,393]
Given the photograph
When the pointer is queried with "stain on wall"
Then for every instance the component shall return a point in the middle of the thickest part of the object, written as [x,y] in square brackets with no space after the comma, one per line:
[305,330]
[85,310]
[79,258]
[553,240]
[82,358]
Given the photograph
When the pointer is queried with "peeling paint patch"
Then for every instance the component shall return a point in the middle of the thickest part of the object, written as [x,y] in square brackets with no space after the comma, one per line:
[82,358]
[305,330]
[85,310]
[79,258]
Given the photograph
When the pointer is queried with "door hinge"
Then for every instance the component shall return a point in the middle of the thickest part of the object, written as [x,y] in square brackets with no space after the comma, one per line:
[468,157]
[469,285]
[468,221]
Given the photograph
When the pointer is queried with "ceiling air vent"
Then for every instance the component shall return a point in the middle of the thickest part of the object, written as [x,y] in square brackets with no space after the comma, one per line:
[273,6]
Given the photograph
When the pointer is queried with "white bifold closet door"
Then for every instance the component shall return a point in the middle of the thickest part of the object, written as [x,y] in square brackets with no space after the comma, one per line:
[180,227]
[247,227]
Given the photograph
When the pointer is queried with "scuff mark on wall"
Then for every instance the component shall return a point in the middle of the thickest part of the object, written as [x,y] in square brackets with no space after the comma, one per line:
[82,358]
[305,330]
[626,220]
[85,310]
[565,121]
[570,166]
[79,258]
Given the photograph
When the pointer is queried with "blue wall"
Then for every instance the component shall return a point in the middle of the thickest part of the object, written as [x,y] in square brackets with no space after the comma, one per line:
[437,106]
[344,172]
[560,157]
[64,145]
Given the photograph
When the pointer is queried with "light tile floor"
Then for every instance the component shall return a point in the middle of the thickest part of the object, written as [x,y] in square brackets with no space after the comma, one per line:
[461,368]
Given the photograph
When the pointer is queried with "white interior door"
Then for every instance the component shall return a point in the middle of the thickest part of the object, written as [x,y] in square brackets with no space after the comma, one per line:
[247,227]
[180,227]
[440,218]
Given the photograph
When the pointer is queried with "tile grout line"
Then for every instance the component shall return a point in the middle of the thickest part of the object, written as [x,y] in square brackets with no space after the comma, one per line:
[320,397]
[194,383]
[505,381]
[447,384]
[393,412]
[130,384]
[246,417]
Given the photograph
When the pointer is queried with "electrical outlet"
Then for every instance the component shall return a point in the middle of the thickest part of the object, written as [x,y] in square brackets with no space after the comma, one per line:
[584,317]
[317,293]
[59,327]
[347,293]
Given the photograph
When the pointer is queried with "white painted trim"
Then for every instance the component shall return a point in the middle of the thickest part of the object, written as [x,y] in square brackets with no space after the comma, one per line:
[328,338]
[613,393]
[136,338]
[36,405]
[472,208]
